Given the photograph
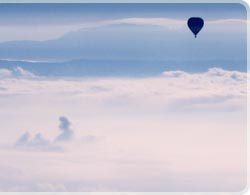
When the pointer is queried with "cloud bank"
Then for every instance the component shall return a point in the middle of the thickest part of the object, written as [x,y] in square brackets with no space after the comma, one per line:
[163,133]
[166,90]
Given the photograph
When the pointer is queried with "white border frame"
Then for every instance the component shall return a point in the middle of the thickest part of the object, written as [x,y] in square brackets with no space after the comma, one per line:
[246,4]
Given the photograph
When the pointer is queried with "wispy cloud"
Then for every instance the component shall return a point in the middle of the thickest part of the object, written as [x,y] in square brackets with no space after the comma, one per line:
[17,72]
[168,23]
[44,32]
[4,73]
[38,142]
[67,132]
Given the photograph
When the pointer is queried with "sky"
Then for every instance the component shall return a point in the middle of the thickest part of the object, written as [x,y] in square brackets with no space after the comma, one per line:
[116,33]
[106,128]
[25,18]
[112,10]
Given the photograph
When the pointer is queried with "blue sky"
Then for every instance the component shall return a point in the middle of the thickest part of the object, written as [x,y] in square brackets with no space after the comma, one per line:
[64,13]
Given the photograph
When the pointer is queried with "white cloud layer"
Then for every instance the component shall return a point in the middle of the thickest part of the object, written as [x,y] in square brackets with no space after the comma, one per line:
[178,131]
[215,85]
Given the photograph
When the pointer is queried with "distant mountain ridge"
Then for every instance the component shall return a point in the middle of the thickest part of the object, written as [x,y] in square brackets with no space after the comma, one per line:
[127,49]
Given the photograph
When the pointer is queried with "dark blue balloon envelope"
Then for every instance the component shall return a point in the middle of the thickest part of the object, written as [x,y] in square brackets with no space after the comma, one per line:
[195,24]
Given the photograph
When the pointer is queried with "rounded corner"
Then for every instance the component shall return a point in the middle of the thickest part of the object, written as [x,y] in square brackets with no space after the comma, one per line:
[245,189]
[245,5]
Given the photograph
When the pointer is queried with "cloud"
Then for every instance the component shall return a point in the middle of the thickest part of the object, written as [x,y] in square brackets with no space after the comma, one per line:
[211,73]
[64,126]
[5,73]
[48,32]
[174,74]
[160,91]
[17,72]
[26,141]
[23,140]
[168,23]
[141,120]
[89,139]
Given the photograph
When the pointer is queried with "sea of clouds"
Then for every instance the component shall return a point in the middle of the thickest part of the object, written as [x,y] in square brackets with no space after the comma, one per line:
[178,131]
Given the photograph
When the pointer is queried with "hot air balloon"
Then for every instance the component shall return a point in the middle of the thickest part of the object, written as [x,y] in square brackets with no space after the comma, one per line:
[195,24]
